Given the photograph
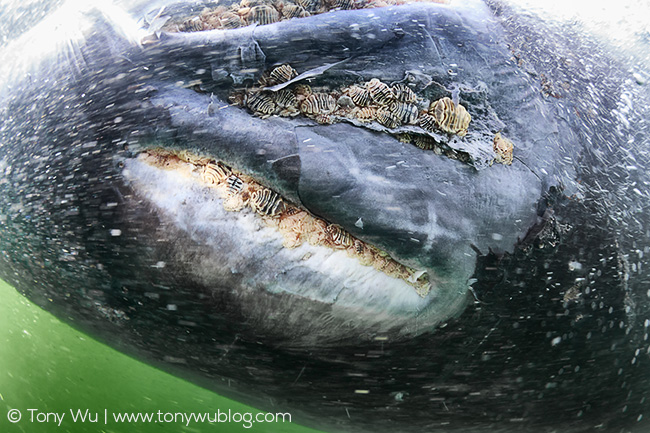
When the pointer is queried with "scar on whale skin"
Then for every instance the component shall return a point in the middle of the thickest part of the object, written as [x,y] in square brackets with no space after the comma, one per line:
[297,225]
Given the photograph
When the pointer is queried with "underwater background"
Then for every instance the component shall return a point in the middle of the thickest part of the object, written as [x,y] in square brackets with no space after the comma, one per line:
[47,365]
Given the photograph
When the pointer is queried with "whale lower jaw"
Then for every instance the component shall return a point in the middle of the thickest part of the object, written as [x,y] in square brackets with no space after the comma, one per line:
[245,257]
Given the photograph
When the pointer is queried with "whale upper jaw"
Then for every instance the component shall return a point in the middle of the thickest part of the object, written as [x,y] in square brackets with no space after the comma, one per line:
[424,210]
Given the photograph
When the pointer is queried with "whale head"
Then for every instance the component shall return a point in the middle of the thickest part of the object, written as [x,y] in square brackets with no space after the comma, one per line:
[209,194]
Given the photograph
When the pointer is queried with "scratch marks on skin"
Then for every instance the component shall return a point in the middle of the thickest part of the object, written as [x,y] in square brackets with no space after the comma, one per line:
[484,339]
[302,370]
[227,349]
[297,226]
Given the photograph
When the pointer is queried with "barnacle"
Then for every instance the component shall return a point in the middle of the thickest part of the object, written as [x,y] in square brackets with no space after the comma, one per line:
[287,103]
[230,20]
[302,91]
[282,74]
[252,3]
[235,185]
[262,14]
[406,113]
[215,174]
[286,98]
[292,10]
[372,101]
[313,6]
[342,4]
[364,114]
[503,148]
[404,93]
[192,25]
[249,12]
[340,237]
[387,118]
[345,101]
[267,202]
[324,119]
[425,142]
[427,122]
[359,95]
[318,103]
[260,103]
[234,200]
[450,118]
[380,92]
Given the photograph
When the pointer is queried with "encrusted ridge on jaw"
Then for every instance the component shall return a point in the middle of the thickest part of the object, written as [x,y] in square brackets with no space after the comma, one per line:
[226,16]
[297,225]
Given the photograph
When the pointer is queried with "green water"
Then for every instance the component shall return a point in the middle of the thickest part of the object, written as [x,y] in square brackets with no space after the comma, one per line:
[49,366]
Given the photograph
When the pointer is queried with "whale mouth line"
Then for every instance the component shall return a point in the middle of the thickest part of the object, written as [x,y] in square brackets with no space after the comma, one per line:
[242,193]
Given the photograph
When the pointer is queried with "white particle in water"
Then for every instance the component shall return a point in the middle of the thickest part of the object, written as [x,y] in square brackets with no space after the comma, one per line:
[575,266]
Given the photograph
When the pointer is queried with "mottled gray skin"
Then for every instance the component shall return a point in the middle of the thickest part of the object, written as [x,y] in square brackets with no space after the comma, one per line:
[557,340]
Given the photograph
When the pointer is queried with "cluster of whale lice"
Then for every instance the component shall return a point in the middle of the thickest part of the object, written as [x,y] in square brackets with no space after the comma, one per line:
[391,106]
[249,12]
[297,225]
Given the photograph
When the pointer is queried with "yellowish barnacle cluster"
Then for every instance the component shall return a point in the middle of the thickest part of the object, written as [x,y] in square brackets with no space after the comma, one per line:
[296,225]
[503,148]
[261,12]
[373,101]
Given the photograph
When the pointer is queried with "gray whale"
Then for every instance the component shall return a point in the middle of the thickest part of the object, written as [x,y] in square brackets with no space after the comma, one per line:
[552,334]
